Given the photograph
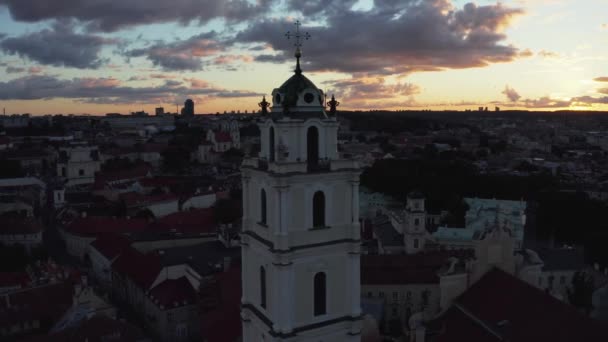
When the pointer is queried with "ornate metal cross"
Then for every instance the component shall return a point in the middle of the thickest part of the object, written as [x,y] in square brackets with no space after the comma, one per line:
[297,35]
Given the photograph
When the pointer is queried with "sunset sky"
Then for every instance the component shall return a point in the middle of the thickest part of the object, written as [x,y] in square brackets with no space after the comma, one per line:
[100,56]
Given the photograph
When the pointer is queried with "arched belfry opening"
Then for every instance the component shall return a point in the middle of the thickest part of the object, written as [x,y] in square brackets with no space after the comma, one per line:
[271,144]
[312,147]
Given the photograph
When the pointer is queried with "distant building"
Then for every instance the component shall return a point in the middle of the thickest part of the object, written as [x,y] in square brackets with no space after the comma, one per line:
[160,111]
[78,164]
[188,109]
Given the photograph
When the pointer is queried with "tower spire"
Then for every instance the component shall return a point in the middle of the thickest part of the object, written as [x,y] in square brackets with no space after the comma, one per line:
[298,44]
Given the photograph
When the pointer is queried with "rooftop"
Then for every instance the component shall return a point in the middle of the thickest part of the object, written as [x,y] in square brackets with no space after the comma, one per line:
[520,312]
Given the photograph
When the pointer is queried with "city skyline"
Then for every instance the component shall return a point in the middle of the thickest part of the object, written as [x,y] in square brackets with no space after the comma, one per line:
[99,57]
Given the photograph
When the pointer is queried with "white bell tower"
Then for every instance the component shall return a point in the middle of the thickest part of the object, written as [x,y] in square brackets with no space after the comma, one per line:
[414,230]
[301,238]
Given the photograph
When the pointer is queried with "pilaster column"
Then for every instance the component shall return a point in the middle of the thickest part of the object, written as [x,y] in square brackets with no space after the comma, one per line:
[246,182]
[355,284]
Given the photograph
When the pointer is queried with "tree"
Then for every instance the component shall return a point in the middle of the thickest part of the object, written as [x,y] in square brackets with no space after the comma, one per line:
[581,292]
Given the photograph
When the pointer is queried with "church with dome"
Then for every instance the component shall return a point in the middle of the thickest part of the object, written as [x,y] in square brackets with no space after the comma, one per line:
[301,237]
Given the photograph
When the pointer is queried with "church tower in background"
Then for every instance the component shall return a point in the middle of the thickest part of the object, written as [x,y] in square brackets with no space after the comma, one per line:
[301,237]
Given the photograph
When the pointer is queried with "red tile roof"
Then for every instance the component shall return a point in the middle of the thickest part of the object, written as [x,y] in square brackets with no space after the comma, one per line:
[223,324]
[158,182]
[173,293]
[19,226]
[505,306]
[46,304]
[191,221]
[111,245]
[137,172]
[133,199]
[93,226]
[4,140]
[143,269]
[222,137]
[418,268]
[14,279]
[95,329]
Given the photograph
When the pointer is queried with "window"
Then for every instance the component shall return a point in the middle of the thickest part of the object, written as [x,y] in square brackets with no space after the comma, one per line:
[262,287]
[63,172]
[308,97]
[320,305]
[415,243]
[312,147]
[369,294]
[416,222]
[181,330]
[381,294]
[263,206]
[318,209]
[395,296]
[395,313]
[409,295]
[81,172]
[562,280]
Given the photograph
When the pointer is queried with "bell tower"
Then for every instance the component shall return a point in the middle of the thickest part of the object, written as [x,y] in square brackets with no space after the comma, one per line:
[414,230]
[300,239]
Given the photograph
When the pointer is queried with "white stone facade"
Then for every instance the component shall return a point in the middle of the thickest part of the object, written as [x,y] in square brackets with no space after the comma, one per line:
[301,237]
[78,164]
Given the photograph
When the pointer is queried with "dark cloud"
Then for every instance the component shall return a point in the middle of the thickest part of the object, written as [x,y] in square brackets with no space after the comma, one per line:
[395,37]
[603,91]
[601,79]
[546,102]
[14,70]
[102,90]
[511,94]
[180,55]
[372,89]
[58,46]
[548,54]
[590,100]
[2,35]
[35,70]
[111,15]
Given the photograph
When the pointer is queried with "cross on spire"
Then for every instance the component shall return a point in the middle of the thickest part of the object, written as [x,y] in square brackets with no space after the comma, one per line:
[298,44]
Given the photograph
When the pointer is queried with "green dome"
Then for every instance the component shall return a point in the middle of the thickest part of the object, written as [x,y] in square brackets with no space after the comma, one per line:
[295,85]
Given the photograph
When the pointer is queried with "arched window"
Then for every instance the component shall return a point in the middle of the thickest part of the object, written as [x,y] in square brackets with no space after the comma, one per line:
[320,295]
[271,144]
[262,287]
[318,209]
[263,206]
[312,147]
